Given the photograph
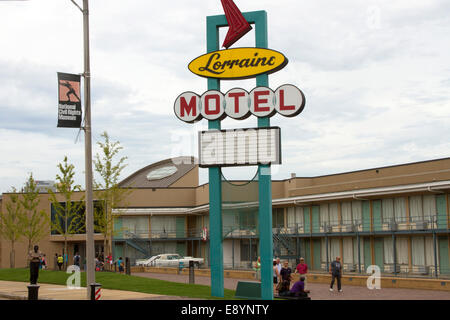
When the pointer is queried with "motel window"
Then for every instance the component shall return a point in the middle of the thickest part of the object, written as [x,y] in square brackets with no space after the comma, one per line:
[291,217]
[418,251]
[278,218]
[429,207]
[422,251]
[248,219]
[334,213]
[324,215]
[163,224]
[361,250]
[357,212]
[422,208]
[230,221]
[401,249]
[299,216]
[400,210]
[75,223]
[348,248]
[388,250]
[415,208]
[346,213]
[387,207]
[334,249]
[137,226]
[248,254]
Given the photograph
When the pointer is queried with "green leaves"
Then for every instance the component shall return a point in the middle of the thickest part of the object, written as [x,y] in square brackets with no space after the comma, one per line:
[67,214]
[107,189]
[34,222]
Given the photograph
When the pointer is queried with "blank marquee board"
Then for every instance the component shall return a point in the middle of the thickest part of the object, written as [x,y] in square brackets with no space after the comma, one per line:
[239,147]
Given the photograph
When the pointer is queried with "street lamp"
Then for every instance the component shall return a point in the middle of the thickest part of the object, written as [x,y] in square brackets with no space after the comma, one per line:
[90,254]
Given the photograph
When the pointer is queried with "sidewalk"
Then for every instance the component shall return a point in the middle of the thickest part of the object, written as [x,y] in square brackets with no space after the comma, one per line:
[19,291]
[320,291]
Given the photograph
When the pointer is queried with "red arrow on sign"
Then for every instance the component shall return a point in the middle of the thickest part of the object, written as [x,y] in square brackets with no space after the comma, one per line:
[238,25]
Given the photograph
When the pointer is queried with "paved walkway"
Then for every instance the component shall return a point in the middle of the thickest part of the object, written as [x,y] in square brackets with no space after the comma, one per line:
[321,291]
[19,291]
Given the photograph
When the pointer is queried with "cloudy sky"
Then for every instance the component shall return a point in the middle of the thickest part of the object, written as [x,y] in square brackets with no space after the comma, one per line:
[376,76]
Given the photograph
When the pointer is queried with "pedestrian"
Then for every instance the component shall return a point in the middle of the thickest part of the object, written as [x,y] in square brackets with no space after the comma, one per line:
[298,289]
[55,260]
[336,273]
[44,262]
[76,259]
[302,270]
[110,262]
[257,268]
[279,266]
[283,286]
[60,261]
[34,257]
[120,264]
[285,272]
[275,277]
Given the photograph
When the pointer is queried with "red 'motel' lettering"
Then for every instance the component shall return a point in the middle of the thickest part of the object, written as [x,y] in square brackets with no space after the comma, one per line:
[258,101]
[236,96]
[208,111]
[282,106]
[190,107]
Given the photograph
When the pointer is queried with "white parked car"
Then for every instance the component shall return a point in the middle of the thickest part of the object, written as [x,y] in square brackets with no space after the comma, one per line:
[145,262]
[169,260]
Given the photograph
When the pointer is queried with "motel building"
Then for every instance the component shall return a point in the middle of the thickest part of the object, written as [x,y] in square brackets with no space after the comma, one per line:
[395,217]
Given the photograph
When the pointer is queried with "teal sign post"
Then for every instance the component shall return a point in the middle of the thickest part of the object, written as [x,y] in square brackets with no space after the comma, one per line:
[237,103]
[213,23]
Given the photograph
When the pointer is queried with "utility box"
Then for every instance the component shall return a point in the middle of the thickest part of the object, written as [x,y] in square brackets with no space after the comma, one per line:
[248,290]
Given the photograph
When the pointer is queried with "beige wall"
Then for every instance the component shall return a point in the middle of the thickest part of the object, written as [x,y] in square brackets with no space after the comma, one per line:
[186,193]
[437,170]
[188,180]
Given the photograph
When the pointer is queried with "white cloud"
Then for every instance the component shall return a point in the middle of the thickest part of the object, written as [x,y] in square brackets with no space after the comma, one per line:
[375,76]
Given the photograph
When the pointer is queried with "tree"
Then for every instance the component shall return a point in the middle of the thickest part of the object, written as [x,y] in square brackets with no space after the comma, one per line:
[10,222]
[107,190]
[67,216]
[34,222]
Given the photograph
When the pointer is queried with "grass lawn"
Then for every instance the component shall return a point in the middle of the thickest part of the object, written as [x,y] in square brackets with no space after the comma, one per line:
[110,280]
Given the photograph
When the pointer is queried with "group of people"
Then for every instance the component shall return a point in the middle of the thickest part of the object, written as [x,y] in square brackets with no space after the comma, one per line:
[282,277]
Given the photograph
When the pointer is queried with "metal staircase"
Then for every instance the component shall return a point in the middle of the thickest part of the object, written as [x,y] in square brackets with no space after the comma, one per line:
[283,247]
[137,243]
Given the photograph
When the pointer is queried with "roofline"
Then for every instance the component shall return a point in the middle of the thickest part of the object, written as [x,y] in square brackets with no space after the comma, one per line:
[193,159]
[370,169]
[433,187]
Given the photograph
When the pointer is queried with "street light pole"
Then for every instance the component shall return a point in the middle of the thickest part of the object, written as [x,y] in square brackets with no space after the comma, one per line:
[90,254]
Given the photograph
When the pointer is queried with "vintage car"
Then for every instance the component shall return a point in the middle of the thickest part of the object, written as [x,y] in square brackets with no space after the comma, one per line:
[169,260]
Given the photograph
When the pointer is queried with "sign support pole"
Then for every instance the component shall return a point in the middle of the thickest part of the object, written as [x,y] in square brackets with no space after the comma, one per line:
[215,181]
[259,18]
[264,178]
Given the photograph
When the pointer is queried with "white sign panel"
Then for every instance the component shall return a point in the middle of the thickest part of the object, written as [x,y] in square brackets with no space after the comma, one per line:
[240,147]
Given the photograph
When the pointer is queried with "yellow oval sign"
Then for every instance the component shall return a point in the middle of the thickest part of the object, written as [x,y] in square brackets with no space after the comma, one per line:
[238,63]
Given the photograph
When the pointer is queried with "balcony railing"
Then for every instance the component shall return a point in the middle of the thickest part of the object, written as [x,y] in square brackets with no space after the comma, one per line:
[428,223]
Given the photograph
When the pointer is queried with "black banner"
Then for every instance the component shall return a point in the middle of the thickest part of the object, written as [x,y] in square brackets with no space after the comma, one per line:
[69,100]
